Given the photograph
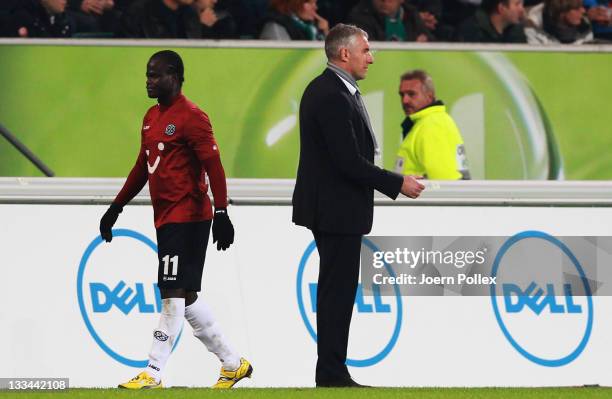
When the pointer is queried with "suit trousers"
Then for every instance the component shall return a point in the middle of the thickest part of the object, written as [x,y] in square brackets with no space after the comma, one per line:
[337,285]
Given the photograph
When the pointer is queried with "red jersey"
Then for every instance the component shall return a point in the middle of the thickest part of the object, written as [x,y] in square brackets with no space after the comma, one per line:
[177,149]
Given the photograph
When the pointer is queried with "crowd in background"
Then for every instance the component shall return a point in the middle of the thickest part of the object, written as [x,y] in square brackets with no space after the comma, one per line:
[483,21]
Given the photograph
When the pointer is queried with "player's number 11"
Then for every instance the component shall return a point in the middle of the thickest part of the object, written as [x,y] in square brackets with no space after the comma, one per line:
[167,260]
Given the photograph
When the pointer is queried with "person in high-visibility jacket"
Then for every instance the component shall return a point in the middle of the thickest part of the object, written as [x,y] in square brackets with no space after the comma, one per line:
[432,145]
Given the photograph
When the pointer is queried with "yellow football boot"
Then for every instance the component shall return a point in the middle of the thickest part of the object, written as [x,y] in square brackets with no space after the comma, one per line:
[228,378]
[142,381]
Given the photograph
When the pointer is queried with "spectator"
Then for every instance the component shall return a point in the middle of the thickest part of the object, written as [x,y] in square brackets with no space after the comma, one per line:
[497,21]
[249,16]
[39,18]
[294,20]
[160,19]
[431,13]
[6,9]
[454,12]
[558,21]
[389,20]
[217,23]
[94,15]
[599,13]
[335,11]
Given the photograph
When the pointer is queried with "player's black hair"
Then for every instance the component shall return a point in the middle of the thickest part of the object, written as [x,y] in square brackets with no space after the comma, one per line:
[174,63]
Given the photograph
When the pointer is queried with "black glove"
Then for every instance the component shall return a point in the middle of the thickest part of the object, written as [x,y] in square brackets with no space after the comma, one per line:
[222,229]
[108,221]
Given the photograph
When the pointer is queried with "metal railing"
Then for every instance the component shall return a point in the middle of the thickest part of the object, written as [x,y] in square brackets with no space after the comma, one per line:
[20,190]
[25,151]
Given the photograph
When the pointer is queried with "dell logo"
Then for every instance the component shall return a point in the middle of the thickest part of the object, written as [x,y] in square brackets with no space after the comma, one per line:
[383,311]
[125,299]
[117,292]
[533,297]
[541,300]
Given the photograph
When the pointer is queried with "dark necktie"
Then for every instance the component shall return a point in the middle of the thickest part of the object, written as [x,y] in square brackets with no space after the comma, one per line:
[364,113]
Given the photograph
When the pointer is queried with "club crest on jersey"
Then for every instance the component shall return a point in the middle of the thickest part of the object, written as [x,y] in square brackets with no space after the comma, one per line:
[160,335]
[170,129]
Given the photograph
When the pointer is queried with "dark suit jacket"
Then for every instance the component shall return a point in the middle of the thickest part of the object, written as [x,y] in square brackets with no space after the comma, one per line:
[336,178]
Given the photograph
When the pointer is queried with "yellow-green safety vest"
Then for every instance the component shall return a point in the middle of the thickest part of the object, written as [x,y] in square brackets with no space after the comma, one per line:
[433,148]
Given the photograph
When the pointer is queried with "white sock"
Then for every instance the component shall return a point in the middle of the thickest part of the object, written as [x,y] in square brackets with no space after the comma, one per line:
[207,330]
[170,323]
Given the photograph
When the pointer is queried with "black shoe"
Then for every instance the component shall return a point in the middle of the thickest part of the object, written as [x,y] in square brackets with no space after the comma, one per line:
[341,384]
[353,384]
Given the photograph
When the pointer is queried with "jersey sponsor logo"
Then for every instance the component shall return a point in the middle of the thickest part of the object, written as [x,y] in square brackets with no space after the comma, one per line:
[541,301]
[117,292]
[146,127]
[170,129]
[384,312]
[152,168]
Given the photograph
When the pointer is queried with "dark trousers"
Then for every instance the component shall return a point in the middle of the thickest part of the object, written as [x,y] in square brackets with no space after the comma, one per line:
[337,286]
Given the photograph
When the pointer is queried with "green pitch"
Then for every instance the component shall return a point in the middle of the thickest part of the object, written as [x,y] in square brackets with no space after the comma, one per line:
[331,393]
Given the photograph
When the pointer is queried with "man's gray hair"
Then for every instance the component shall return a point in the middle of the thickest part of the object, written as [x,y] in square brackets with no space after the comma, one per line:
[341,36]
[421,76]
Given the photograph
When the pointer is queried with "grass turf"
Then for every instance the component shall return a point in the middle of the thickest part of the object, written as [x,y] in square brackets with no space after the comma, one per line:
[335,393]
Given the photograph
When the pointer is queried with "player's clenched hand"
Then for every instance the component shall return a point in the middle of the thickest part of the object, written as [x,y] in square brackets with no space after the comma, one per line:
[222,229]
[411,187]
[108,221]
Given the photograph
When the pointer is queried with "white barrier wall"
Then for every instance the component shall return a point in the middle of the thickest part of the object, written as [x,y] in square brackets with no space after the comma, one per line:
[58,278]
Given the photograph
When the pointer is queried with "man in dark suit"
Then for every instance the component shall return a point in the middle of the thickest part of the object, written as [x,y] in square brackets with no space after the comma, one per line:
[334,190]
